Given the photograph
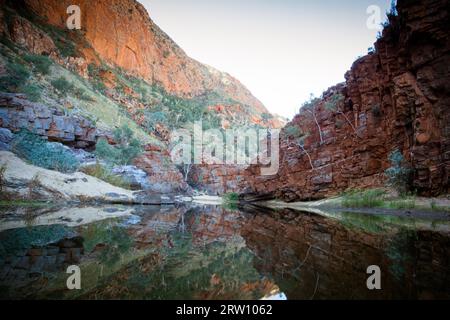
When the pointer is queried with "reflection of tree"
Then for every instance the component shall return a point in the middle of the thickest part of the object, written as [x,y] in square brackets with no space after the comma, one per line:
[184,271]
[15,241]
[115,238]
[400,252]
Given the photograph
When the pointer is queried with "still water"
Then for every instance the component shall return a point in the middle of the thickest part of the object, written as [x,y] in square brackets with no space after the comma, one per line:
[208,252]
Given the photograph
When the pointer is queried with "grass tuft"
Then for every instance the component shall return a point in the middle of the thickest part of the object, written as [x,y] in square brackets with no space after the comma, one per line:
[364,199]
[103,173]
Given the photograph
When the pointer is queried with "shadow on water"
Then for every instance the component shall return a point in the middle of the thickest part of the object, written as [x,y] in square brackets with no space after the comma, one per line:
[208,252]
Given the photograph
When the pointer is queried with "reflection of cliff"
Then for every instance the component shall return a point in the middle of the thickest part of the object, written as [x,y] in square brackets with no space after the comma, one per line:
[202,256]
[311,256]
[209,224]
[158,252]
[214,253]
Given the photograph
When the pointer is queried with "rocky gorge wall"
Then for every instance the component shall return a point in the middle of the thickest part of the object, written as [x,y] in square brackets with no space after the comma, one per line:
[121,33]
[397,97]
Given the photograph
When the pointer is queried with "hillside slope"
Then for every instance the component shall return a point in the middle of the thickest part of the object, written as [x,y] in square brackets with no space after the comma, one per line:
[121,34]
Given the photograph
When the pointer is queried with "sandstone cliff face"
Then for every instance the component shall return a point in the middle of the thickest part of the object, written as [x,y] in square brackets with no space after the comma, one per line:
[122,33]
[395,98]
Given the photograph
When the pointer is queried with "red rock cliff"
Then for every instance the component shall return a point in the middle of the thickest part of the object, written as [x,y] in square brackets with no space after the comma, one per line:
[122,33]
[395,98]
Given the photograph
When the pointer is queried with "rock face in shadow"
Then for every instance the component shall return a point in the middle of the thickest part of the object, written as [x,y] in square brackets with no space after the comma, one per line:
[310,256]
[394,98]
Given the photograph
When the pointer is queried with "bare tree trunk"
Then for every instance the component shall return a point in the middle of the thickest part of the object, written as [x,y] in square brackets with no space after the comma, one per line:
[318,126]
[349,122]
[187,169]
[309,156]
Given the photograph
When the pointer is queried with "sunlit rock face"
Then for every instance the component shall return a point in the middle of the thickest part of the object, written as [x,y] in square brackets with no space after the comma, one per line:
[310,256]
[121,32]
[395,98]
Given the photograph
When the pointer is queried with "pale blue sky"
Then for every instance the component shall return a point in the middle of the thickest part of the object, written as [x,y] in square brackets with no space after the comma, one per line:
[282,50]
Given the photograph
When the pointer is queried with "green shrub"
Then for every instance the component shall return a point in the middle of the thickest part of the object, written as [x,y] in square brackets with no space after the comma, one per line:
[106,151]
[41,63]
[81,93]
[363,199]
[403,204]
[99,86]
[334,102]
[154,118]
[32,91]
[398,175]
[94,73]
[104,174]
[62,85]
[126,150]
[44,154]
[231,197]
[17,76]
[2,177]
[292,132]
[231,201]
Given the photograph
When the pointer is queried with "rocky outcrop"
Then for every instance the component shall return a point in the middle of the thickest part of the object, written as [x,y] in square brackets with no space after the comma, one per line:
[23,181]
[216,179]
[6,137]
[16,113]
[163,175]
[25,34]
[394,98]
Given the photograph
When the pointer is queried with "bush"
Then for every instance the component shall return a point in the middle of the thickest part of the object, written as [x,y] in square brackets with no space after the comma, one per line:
[2,177]
[231,197]
[364,199]
[403,204]
[41,63]
[231,201]
[398,175]
[97,82]
[17,76]
[124,152]
[32,91]
[103,173]
[334,102]
[154,118]
[62,85]
[106,151]
[43,154]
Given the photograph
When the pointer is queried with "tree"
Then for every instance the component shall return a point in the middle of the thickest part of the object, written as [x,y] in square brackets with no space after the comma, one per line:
[155,118]
[310,107]
[126,149]
[398,175]
[294,136]
[185,169]
[334,104]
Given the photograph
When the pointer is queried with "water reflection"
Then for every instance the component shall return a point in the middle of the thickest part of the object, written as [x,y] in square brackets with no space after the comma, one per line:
[209,252]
